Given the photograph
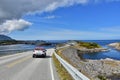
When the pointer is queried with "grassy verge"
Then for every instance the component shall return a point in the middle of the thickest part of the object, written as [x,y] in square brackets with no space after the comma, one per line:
[59,52]
[63,74]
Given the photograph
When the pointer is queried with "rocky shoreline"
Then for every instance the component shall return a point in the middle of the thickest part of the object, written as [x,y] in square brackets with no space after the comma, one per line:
[106,69]
[115,45]
[95,50]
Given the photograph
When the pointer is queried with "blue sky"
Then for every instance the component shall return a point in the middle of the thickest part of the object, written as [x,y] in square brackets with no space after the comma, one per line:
[93,21]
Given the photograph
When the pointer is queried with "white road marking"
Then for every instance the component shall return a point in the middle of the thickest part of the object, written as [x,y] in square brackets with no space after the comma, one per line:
[26,72]
[51,67]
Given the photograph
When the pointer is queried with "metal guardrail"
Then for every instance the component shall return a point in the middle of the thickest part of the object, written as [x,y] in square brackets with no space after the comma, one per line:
[72,71]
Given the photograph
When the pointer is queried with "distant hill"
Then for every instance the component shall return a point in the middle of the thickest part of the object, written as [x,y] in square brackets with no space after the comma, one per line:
[5,40]
[3,37]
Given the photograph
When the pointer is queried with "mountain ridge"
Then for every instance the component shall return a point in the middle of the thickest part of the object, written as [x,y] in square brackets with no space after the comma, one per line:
[4,37]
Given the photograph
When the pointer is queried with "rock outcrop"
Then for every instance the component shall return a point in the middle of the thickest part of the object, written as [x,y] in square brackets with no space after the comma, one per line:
[115,45]
[95,50]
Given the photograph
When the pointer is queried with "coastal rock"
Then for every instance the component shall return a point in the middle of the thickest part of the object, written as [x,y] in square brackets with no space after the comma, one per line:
[115,45]
[93,68]
[84,50]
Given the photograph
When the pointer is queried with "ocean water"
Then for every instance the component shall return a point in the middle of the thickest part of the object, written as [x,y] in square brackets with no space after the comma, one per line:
[12,49]
[17,48]
[112,53]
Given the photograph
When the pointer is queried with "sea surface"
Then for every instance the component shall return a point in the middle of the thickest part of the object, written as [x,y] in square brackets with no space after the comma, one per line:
[12,49]
[112,53]
[17,48]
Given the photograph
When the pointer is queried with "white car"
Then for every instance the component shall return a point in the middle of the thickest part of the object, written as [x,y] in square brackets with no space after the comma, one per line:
[39,52]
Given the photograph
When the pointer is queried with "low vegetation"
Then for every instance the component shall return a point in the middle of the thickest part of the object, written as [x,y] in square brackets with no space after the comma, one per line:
[102,77]
[88,45]
[63,74]
[10,42]
[38,43]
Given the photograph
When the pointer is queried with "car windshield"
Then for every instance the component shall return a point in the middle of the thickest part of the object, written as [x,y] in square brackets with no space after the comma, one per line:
[40,49]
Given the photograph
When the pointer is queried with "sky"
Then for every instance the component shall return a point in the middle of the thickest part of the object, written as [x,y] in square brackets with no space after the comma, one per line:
[61,19]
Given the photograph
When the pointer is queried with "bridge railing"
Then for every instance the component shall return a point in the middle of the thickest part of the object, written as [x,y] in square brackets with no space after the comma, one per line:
[76,74]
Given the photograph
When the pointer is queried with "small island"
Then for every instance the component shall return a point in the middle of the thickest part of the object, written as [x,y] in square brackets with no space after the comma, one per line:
[83,47]
[88,47]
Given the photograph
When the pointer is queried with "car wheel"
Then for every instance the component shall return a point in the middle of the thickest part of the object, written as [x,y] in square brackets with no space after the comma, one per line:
[45,55]
[34,56]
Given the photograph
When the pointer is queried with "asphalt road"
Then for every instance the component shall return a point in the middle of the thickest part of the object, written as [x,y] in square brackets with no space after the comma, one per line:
[23,67]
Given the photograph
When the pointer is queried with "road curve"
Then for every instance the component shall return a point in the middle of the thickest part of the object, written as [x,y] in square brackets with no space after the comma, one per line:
[23,67]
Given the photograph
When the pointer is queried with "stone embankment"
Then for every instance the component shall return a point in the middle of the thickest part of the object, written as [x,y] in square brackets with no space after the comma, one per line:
[95,69]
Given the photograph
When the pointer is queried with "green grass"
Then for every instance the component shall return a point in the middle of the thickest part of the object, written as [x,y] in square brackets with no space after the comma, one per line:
[88,45]
[63,74]
[102,77]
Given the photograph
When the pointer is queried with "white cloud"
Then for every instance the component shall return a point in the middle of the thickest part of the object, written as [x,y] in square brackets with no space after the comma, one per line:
[15,9]
[67,34]
[64,3]
[13,25]
[115,29]
[50,17]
